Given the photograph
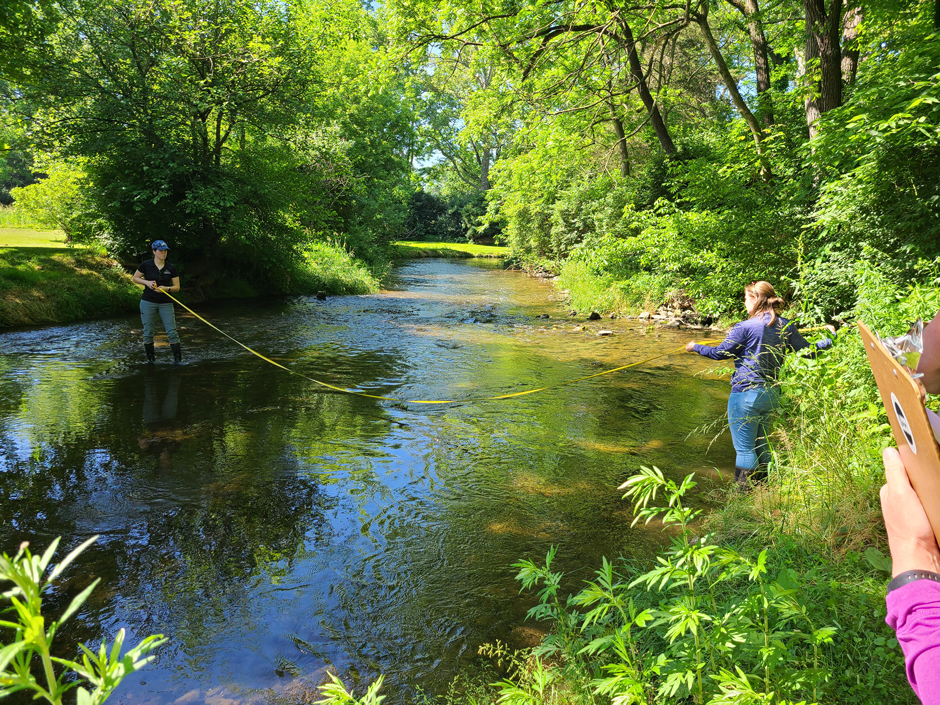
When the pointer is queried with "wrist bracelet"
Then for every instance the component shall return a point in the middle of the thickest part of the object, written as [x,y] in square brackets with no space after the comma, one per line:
[909,576]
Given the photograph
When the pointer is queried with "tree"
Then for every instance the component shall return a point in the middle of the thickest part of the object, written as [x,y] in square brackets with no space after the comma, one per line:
[57,201]
[762,55]
[464,120]
[826,61]
[174,105]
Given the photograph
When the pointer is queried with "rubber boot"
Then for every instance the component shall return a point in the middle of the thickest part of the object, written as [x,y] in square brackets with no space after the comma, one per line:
[742,476]
[760,474]
[148,349]
[177,353]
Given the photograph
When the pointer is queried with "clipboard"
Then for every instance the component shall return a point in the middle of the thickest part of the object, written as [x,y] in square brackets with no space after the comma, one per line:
[912,431]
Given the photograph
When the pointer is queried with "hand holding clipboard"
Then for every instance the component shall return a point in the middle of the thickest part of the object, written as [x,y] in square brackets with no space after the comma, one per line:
[916,463]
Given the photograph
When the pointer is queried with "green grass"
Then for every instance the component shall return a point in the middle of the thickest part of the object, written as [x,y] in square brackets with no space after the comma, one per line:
[590,292]
[404,249]
[332,270]
[48,284]
[29,237]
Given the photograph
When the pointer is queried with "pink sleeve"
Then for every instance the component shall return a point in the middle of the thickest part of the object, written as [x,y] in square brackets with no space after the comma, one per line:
[914,614]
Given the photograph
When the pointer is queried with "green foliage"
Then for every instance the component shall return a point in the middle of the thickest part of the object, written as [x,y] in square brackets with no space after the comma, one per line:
[335,693]
[240,130]
[16,167]
[12,217]
[32,639]
[57,201]
[708,622]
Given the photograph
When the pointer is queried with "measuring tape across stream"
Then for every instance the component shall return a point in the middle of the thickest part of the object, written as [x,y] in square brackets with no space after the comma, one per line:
[498,397]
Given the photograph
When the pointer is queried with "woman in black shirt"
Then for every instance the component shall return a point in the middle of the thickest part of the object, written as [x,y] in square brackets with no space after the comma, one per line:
[157,275]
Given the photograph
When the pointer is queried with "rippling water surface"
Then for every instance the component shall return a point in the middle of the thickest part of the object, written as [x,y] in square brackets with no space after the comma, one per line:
[271,528]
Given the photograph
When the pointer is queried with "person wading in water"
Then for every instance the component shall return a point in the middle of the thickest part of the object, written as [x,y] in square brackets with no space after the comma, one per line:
[757,346]
[157,275]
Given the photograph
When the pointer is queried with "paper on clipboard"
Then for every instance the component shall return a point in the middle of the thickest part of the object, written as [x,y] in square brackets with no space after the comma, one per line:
[913,431]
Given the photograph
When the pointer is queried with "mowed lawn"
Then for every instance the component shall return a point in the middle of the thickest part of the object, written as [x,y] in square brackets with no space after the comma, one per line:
[24,237]
[411,248]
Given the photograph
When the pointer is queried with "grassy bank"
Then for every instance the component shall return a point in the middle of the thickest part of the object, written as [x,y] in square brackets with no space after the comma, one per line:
[43,281]
[405,249]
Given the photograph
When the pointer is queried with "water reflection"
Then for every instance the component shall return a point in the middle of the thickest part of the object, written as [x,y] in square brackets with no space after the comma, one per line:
[161,435]
[272,528]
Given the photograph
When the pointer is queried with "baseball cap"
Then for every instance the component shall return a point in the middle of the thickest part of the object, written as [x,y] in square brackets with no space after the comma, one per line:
[159,245]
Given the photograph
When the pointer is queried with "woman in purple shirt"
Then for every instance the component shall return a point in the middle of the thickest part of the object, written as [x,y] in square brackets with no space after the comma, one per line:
[757,346]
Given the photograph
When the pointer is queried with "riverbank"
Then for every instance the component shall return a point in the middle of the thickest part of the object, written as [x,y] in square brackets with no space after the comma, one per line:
[44,281]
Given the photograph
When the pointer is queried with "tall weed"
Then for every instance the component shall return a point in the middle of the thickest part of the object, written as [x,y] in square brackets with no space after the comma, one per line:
[707,623]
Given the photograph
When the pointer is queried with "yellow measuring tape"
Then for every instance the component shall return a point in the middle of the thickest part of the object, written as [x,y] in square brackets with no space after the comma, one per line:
[419,401]
[432,401]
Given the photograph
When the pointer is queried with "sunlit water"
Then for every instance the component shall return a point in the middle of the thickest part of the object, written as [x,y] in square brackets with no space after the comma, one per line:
[270,527]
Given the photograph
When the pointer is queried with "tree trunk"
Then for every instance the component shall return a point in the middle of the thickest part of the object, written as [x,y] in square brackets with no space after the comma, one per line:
[762,52]
[732,85]
[636,70]
[850,25]
[621,141]
[485,169]
[823,59]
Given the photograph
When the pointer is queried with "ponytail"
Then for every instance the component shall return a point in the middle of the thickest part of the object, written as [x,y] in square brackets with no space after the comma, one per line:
[767,300]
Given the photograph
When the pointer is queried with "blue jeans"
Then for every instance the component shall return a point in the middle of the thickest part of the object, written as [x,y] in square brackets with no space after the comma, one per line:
[148,316]
[749,418]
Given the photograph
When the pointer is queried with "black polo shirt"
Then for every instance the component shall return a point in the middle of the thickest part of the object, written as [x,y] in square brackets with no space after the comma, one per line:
[163,277]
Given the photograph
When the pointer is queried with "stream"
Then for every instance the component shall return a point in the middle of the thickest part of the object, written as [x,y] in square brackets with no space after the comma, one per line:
[272,528]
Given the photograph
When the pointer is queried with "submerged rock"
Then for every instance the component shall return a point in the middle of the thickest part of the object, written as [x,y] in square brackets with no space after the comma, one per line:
[605,332]
[595,316]
[525,637]
[305,689]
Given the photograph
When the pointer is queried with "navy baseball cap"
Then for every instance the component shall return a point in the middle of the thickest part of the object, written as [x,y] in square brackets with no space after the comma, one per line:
[159,245]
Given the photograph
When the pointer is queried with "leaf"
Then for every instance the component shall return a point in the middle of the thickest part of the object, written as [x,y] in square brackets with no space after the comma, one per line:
[71,557]
[878,560]
[78,601]
[47,554]
[9,652]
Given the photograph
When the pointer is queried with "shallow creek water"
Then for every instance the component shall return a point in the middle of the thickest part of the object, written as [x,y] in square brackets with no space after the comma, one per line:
[270,527]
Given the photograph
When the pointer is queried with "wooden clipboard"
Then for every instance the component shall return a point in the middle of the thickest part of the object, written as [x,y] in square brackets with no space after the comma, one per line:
[909,422]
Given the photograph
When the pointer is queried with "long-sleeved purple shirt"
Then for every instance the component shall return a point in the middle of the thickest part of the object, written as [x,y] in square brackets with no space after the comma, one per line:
[914,614]
[758,350]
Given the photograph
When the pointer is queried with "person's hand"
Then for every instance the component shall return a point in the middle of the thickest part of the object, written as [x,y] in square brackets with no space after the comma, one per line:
[152,285]
[690,346]
[831,328]
[910,537]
